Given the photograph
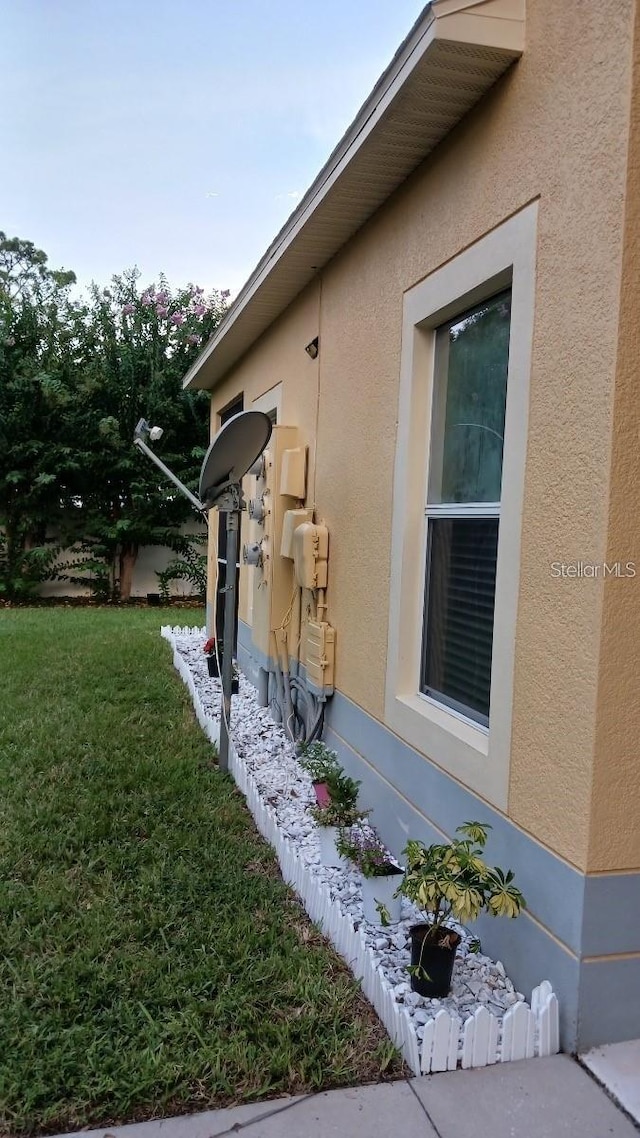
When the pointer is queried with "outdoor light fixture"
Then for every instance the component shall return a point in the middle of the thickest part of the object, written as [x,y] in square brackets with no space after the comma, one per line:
[313,348]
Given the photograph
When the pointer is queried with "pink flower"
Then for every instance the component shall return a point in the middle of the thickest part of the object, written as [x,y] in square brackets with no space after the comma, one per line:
[177,318]
[162,298]
[193,339]
[200,309]
[146,298]
[128,309]
[162,310]
[225,294]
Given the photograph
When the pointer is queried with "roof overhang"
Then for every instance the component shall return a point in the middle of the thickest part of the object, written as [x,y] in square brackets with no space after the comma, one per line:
[453,55]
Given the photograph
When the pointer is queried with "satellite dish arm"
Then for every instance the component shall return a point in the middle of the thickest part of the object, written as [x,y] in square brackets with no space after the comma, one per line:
[195,502]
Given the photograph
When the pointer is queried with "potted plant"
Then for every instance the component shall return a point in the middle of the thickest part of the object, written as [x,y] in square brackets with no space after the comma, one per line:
[451,881]
[342,811]
[320,764]
[213,657]
[379,871]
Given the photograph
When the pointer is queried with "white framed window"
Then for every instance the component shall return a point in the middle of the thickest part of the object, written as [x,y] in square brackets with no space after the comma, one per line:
[463,505]
[457,506]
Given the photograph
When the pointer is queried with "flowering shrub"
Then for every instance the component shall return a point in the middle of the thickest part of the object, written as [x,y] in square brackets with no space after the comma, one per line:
[319,762]
[363,847]
[335,815]
[343,807]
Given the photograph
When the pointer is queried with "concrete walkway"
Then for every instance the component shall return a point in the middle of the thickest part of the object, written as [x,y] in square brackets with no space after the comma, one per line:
[538,1098]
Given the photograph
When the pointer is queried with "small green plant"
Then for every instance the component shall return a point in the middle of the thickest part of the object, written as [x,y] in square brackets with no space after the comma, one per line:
[342,810]
[22,574]
[318,761]
[362,846]
[191,566]
[90,567]
[452,880]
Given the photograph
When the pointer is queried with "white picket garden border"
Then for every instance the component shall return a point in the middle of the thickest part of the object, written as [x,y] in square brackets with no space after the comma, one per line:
[522,1033]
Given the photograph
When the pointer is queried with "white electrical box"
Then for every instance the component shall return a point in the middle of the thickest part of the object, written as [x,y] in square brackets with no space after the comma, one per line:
[292,519]
[310,553]
[320,657]
[293,475]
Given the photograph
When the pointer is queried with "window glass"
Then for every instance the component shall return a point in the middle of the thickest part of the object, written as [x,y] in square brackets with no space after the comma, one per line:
[472,358]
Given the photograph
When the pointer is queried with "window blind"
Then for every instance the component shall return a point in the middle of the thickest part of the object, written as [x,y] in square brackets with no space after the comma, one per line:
[459,604]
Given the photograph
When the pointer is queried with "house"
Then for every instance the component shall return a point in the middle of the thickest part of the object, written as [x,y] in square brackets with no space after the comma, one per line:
[464,276]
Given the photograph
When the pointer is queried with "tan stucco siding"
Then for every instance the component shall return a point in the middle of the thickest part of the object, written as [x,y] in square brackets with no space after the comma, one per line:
[547,131]
[278,357]
[554,129]
[615,819]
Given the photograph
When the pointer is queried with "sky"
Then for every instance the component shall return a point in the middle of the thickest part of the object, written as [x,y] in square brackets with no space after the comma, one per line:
[177,136]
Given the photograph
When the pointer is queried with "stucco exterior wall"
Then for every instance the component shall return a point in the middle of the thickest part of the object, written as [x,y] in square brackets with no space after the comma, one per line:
[555,129]
[615,819]
[278,358]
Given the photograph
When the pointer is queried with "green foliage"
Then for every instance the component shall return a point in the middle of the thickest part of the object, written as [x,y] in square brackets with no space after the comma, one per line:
[322,765]
[138,346]
[39,336]
[452,880]
[23,570]
[343,807]
[75,378]
[335,815]
[318,761]
[363,847]
[189,566]
[89,568]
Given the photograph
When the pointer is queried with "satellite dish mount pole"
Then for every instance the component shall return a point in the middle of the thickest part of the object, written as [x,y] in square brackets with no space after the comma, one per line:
[231,503]
[237,445]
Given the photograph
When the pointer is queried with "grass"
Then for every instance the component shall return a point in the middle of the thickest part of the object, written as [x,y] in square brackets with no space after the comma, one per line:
[152,962]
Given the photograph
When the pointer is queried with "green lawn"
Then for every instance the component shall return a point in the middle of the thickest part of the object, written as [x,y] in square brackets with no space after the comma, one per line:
[152,961]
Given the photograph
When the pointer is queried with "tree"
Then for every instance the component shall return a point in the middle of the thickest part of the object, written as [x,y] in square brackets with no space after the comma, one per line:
[137,346]
[40,328]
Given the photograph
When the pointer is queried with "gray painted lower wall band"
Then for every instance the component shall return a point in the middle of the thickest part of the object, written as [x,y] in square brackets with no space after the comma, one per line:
[571,916]
[611,921]
[609,1001]
[553,889]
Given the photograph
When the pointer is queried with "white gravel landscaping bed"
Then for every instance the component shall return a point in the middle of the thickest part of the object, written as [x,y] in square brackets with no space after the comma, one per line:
[478,982]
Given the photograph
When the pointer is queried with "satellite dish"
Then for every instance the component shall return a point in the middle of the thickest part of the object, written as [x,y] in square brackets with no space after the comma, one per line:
[234,450]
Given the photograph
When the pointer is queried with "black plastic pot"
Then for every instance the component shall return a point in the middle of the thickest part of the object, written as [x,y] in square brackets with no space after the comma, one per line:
[235,686]
[435,961]
[153,598]
[212,665]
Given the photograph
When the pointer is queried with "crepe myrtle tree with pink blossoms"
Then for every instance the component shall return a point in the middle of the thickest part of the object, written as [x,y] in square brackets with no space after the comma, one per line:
[139,343]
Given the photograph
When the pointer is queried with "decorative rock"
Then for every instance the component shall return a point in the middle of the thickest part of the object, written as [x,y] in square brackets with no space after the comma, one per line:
[420,1016]
[270,771]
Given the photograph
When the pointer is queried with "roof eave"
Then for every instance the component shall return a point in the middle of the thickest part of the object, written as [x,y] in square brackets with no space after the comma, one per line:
[478,38]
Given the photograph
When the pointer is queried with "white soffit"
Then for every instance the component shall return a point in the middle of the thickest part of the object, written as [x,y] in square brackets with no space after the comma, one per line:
[453,55]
